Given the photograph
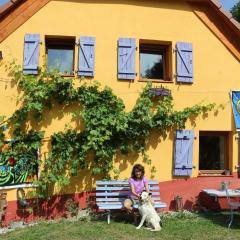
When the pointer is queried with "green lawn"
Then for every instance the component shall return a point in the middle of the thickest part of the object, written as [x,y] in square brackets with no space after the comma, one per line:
[200,227]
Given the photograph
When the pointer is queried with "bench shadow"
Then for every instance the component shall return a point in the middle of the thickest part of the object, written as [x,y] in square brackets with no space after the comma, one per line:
[119,216]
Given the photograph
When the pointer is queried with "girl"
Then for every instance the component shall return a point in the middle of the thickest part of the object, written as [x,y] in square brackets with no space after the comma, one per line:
[137,183]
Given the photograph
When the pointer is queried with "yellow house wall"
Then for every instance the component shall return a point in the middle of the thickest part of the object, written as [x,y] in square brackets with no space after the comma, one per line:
[216,70]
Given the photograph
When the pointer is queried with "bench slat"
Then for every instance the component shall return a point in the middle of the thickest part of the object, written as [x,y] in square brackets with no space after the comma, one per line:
[124,182]
[120,206]
[122,188]
[103,194]
[156,203]
[110,207]
[119,199]
[112,183]
[112,188]
[99,194]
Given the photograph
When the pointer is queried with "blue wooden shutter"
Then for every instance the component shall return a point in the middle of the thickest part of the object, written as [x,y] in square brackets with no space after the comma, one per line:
[86,56]
[31,53]
[184,54]
[126,58]
[183,153]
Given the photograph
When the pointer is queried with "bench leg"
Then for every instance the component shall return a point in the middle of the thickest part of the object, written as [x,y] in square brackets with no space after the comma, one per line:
[109,217]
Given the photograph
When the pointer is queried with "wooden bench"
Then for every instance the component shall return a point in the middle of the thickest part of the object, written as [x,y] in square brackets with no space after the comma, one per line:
[110,195]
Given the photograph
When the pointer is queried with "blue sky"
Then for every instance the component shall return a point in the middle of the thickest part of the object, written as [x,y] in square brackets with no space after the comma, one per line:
[3,1]
[228,4]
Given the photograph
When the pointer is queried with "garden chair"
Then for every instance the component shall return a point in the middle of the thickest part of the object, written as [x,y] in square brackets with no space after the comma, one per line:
[233,206]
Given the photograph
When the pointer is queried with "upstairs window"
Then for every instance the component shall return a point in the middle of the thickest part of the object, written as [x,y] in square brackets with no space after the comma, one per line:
[154,62]
[60,54]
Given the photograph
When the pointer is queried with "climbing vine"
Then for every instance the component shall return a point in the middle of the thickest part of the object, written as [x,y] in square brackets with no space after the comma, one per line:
[107,126]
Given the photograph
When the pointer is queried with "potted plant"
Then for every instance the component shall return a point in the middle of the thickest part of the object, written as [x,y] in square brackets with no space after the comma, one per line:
[71,207]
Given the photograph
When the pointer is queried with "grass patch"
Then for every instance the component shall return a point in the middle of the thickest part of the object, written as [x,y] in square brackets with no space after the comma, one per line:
[212,226]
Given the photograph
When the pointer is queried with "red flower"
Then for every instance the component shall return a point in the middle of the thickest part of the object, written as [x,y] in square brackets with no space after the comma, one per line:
[11,161]
[30,178]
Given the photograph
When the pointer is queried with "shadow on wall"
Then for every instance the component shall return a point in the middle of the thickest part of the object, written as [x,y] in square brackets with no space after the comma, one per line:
[49,208]
[152,4]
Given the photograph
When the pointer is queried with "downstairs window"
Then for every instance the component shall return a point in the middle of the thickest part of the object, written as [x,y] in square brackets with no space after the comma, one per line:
[213,153]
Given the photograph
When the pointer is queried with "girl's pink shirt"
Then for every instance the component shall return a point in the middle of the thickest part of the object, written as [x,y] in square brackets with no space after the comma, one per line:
[139,186]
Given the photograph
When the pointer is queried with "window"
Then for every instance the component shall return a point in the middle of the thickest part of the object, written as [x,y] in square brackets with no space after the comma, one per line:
[213,152]
[60,54]
[154,62]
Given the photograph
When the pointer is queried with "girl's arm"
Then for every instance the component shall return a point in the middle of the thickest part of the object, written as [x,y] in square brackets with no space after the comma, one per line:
[132,188]
[146,185]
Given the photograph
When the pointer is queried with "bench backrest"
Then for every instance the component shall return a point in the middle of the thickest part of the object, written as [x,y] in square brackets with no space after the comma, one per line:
[118,191]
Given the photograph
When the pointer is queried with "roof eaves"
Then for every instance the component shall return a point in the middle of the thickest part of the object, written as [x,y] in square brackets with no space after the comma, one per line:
[225,13]
[8,7]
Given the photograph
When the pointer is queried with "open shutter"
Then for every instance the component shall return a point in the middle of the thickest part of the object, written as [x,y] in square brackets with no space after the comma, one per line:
[184,60]
[126,58]
[31,53]
[183,153]
[86,56]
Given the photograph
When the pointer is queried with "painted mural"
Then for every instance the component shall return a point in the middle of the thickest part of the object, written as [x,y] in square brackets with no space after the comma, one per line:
[16,172]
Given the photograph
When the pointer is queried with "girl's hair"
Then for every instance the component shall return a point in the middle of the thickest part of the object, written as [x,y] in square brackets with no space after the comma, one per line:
[137,167]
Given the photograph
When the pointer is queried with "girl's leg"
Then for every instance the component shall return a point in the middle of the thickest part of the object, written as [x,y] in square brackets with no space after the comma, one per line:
[128,205]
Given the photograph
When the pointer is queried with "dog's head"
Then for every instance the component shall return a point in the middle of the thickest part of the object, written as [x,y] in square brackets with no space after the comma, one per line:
[145,196]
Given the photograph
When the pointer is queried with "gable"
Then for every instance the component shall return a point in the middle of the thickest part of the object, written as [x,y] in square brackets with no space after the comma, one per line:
[16,13]
[225,28]
[210,12]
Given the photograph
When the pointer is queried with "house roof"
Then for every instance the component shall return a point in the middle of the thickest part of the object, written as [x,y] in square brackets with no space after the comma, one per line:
[228,16]
[7,7]
[14,3]
[14,13]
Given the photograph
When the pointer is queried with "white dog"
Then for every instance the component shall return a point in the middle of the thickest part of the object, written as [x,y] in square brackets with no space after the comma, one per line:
[148,212]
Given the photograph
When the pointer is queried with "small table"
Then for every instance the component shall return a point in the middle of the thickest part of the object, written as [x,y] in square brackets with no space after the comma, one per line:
[220,198]
[222,193]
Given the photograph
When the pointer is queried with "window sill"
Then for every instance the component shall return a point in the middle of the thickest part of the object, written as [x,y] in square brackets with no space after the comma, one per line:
[66,75]
[217,172]
[156,80]
[214,175]
[24,185]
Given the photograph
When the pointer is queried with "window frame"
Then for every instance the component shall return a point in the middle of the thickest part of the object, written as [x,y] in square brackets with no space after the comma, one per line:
[61,42]
[156,46]
[220,172]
